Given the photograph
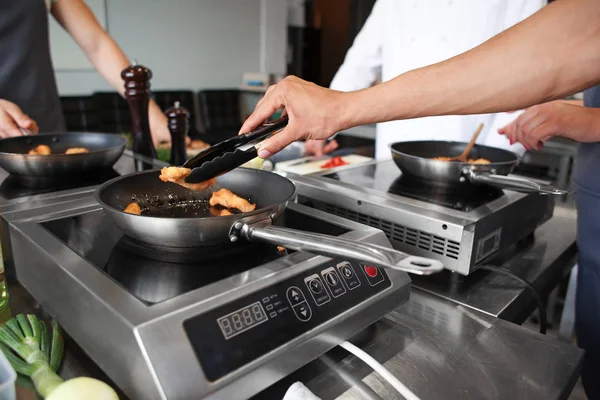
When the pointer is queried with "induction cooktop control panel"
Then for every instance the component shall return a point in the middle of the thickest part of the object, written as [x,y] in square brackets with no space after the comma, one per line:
[233,335]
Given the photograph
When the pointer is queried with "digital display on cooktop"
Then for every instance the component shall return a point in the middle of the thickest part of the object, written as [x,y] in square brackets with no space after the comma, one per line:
[386,177]
[155,274]
[242,320]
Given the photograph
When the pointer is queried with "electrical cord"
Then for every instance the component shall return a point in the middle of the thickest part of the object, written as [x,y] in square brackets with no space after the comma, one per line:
[541,306]
[380,369]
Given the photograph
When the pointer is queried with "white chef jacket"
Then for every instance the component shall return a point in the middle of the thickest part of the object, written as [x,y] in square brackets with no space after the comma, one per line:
[402,35]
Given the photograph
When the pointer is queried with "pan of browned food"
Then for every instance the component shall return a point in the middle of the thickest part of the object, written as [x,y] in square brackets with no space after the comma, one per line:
[428,161]
[168,215]
[53,155]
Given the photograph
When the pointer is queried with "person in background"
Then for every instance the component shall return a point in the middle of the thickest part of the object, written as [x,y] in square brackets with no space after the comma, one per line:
[29,98]
[401,35]
[578,121]
[552,54]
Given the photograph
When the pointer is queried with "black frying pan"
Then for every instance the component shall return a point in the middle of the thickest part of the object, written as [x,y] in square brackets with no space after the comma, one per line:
[417,160]
[173,216]
[104,150]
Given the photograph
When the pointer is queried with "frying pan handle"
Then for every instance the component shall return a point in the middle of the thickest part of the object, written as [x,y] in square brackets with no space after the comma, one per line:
[513,183]
[335,247]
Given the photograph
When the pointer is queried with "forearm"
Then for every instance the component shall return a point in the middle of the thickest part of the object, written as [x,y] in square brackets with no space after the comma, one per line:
[548,56]
[109,61]
[574,102]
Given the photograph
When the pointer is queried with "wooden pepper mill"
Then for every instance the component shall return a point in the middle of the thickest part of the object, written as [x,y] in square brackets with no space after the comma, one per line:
[179,125]
[137,92]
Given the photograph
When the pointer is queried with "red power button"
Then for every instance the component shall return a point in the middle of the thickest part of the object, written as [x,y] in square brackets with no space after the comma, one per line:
[371,271]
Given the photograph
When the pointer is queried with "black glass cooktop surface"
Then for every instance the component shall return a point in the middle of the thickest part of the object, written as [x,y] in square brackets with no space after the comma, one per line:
[155,274]
[14,187]
[386,177]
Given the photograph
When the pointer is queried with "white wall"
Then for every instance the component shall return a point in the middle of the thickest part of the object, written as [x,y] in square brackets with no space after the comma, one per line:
[296,12]
[190,44]
[273,34]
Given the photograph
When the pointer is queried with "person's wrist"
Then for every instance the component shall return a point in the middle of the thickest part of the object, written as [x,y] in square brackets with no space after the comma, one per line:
[592,127]
[346,111]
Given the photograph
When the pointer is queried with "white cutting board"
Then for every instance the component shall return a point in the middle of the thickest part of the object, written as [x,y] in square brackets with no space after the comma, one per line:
[311,167]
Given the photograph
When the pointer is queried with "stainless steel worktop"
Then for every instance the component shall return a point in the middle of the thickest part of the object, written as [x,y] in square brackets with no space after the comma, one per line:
[443,351]
[543,262]
[438,348]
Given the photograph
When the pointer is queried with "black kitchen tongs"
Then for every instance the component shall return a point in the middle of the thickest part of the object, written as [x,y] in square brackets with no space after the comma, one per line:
[231,153]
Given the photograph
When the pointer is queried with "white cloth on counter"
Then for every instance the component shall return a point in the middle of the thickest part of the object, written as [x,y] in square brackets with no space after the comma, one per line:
[299,392]
[402,35]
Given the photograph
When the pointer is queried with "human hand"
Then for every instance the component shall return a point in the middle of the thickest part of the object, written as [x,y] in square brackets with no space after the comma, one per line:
[319,147]
[13,119]
[556,118]
[159,127]
[314,113]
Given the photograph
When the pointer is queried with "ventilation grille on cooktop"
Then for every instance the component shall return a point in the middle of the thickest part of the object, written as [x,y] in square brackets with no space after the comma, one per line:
[400,233]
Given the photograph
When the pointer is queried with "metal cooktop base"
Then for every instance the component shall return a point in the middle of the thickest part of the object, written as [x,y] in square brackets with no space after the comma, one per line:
[463,228]
[188,331]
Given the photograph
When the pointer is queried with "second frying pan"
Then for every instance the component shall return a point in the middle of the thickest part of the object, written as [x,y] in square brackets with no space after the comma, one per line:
[177,217]
[417,160]
[104,151]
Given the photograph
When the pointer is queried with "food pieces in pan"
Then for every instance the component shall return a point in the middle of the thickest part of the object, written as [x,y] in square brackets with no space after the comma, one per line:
[177,175]
[198,145]
[133,208]
[220,212]
[77,150]
[41,150]
[228,199]
[470,161]
[44,150]
[479,161]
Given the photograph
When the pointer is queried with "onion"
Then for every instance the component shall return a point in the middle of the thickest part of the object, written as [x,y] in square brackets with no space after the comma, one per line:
[83,388]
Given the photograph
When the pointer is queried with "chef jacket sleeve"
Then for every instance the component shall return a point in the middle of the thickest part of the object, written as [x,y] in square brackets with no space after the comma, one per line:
[518,10]
[363,61]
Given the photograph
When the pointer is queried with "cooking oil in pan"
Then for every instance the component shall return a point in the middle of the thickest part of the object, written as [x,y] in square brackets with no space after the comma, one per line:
[181,209]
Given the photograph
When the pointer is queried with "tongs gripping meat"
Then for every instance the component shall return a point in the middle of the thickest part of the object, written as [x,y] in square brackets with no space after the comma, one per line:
[231,153]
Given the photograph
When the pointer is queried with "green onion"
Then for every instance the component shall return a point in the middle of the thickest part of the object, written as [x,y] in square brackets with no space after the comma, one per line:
[45,341]
[25,341]
[35,327]
[14,326]
[24,325]
[58,346]
[17,363]
[26,354]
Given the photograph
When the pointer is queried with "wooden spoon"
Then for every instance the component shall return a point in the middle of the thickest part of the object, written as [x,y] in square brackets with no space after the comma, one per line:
[465,154]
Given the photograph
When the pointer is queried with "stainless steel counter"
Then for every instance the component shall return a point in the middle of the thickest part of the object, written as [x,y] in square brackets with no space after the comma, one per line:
[443,351]
[544,262]
[438,348]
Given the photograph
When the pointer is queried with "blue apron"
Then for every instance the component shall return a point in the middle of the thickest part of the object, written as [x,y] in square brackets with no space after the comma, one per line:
[26,73]
[587,314]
